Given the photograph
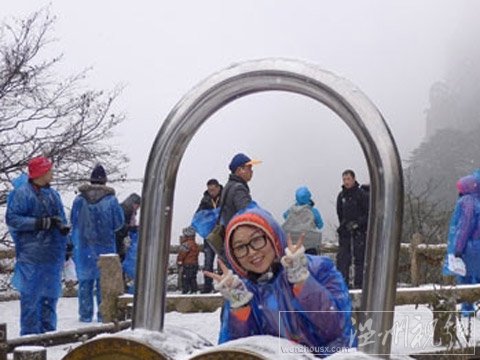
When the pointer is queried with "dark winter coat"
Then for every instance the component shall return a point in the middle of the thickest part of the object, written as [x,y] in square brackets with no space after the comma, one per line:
[236,196]
[352,207]
[209,203]
[128,213]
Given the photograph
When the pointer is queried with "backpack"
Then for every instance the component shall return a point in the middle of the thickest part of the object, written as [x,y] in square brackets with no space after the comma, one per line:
[301,220]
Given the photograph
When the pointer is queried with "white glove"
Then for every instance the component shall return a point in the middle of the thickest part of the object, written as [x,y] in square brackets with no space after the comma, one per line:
[296,265]
[234,290]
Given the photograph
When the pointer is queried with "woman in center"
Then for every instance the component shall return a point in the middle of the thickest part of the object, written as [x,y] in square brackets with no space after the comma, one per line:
[274,288]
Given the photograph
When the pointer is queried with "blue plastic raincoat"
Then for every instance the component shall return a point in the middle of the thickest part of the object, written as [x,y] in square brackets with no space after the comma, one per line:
[130,263]
[40,254]
[96,216]
[278,308]
[16,183]
[464,232]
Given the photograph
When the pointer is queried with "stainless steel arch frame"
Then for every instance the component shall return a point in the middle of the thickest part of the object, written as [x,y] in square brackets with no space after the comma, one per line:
[345,99]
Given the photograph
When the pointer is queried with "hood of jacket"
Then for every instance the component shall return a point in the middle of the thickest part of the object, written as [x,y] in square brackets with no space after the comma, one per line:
[93,193]
[262,219]
[20,180]
[469,184]
[303,196]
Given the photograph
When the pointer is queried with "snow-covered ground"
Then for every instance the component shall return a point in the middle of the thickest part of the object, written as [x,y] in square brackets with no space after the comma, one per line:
[412,330]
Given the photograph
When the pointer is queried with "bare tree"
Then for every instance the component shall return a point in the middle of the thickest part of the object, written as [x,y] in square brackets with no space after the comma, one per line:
[42,113]
[424,215]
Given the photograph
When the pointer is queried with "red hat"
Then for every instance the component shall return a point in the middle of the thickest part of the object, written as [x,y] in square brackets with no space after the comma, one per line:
[38,166]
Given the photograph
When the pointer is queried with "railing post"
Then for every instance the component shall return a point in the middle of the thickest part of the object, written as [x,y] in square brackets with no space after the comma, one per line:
[111,286]
[415,258]
[3,341]
[30,353]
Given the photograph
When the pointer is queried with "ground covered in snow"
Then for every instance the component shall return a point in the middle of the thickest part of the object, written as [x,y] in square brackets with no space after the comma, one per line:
[412,332]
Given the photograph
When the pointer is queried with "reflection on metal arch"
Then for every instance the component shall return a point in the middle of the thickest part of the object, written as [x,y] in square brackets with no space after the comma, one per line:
[341,96]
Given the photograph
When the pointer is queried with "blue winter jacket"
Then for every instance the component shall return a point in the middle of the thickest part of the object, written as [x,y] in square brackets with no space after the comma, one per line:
[96,216]
[464,231]
[316,314]
[40,254]
[303,196]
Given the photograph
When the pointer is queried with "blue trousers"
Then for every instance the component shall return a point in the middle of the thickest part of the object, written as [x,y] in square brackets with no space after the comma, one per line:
[37,314]
[85,299]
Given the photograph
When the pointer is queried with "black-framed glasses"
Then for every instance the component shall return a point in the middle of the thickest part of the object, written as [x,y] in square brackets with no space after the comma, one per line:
[258,242]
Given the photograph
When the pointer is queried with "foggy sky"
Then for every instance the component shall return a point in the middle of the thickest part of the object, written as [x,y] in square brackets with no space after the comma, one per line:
[392,50]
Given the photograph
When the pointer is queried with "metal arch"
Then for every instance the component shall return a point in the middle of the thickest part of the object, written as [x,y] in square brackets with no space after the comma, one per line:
[345,99]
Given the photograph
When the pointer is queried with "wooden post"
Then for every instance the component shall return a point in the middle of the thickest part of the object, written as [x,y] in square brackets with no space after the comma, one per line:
[443,305]
[30,353]
[415,259]
[111,286]
[3,342]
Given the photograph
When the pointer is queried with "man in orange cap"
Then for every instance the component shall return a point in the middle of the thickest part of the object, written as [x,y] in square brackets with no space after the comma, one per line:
[36,217]
[236,195]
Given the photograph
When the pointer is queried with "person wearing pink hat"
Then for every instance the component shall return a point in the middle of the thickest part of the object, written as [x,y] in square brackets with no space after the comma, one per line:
[464,236]
[36,218]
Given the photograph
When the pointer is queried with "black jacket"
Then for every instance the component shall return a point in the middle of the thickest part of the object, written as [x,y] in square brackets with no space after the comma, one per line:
[235,197]
[352,206]
[208,203]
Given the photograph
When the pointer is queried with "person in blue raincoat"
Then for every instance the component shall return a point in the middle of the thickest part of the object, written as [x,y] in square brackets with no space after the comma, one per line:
[96,216]
[36,220]
[129,265]
[304,217]
[274,288]
[464,233]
